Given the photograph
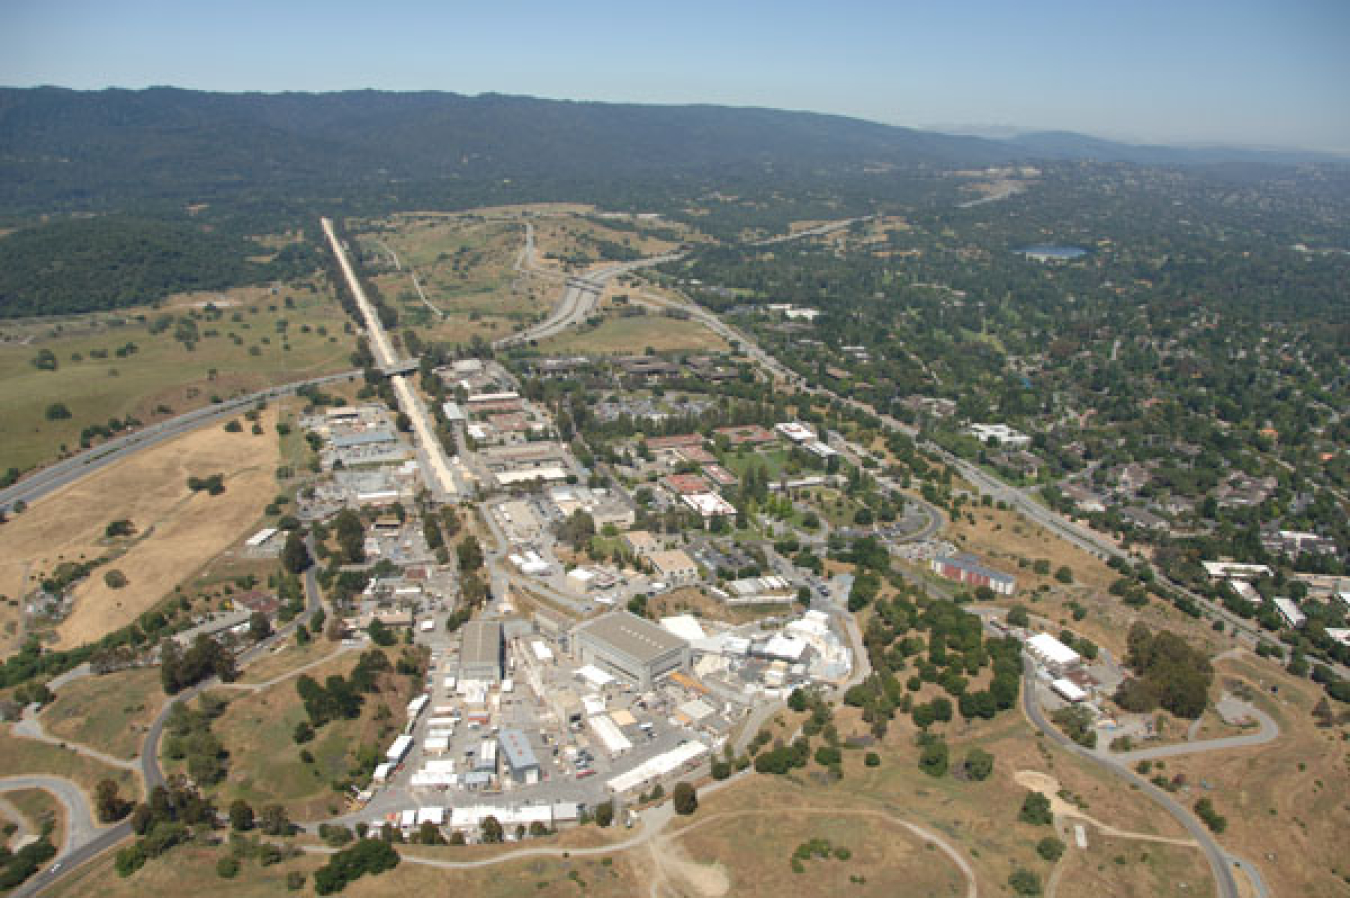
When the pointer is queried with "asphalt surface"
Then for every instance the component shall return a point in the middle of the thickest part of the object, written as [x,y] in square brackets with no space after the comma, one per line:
[1268,732]
[68,470]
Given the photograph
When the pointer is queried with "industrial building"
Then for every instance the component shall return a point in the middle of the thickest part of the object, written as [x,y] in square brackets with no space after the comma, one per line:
[965,569]
[630,647]
[520,759]
[481,651]
[1054,655]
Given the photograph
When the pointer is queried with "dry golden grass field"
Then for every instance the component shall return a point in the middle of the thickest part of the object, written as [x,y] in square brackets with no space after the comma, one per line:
[40,809]
[178,530]
[265,765]
[634,335]
[20,755]
[110,713]
[1286,801]
[1004,539]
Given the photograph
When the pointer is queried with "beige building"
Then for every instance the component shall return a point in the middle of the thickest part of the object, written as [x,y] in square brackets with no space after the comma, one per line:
[674,567]
[641,543]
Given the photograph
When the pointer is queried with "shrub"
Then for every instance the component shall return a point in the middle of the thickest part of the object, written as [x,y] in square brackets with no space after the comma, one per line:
[977,765]
[1204,809]
[933,759]
[1050,848]
[872,759]
[1024,882]
[685,799]
[373,856]
[1036,810]
[227,868]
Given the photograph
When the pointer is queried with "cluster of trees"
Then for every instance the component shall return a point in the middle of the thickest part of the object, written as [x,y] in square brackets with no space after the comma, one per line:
[188,735]
[1169,672]
[114,261]
[206,657]
[93,432]
[163,821]
[367,856]
[295,554]
[341,697]
[17,867]
[350,534]
[1076,721]
[953,651]
[109,805]
[1204,809]
[212,484]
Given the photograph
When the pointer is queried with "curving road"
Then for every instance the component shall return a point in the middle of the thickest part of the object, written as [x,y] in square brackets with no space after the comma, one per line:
[578,300]
[1219,860]
[84,838]
[29,726]
[1269,731]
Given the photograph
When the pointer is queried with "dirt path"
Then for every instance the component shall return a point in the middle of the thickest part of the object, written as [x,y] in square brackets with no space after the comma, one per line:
[1048,786]
[258,687]
[708,881]
[29,726]
[712,882]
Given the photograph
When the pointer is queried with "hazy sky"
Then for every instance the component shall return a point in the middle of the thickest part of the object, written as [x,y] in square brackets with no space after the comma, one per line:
[1237,71]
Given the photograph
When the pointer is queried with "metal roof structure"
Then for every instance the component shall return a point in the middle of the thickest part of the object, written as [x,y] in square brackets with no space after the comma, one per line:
[634,636]
[516,750]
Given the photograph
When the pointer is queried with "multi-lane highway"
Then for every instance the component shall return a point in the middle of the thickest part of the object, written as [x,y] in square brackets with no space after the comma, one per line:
[579,297]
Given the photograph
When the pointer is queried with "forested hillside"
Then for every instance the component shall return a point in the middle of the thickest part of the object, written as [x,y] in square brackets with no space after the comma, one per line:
[63,149]
[93,264]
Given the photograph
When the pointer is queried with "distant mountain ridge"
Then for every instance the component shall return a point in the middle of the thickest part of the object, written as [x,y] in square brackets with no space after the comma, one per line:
[69,147]
[1071,145]
[67,150]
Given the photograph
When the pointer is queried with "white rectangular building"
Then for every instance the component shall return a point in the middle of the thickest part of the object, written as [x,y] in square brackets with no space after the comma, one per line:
[1052,654]
[1292,614]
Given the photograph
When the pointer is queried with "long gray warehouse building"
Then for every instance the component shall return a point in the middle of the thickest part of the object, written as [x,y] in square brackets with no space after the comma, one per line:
[480,651]
[630,647]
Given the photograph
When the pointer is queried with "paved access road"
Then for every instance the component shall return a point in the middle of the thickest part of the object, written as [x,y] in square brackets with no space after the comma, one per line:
[1268,732]
[1219,860]
[68,470]
[85,838]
